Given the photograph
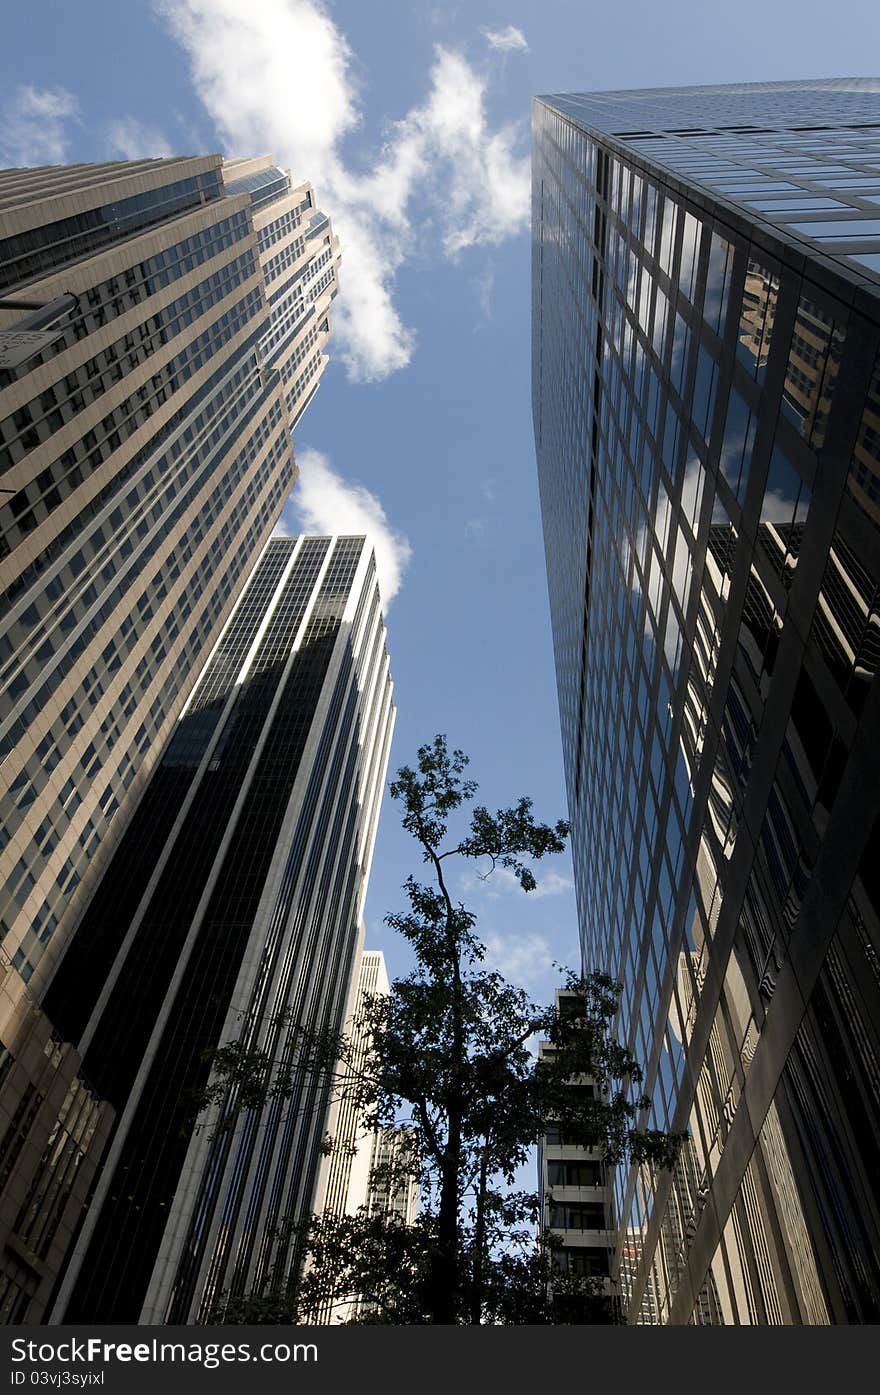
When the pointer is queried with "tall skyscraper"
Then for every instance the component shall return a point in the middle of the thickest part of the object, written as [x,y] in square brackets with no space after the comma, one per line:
[229,912]
[145,456]
[706,392]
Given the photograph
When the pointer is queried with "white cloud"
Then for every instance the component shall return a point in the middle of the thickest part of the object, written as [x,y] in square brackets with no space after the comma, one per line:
[324,502]
[657,533]
[278,77]
[507,40]
[776,507]
[485,284]
[33,126]
[552,884]
[130,139]
[525,959]
[503,882]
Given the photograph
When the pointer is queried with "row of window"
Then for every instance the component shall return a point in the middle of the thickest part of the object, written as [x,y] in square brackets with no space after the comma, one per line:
[153,662]
[40,250]
[36,421]
[141,539]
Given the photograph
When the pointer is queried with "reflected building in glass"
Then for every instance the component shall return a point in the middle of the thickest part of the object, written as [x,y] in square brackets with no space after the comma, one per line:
[230,913]
[706,393]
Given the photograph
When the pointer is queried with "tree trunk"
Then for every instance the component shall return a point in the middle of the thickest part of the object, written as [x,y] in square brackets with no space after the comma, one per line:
[443,1285]
[444,1277]
[476,1304]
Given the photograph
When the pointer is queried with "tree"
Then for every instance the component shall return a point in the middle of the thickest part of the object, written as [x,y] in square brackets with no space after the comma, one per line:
[450,1063]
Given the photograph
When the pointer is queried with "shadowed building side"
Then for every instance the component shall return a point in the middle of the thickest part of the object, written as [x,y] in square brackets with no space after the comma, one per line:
[241,925]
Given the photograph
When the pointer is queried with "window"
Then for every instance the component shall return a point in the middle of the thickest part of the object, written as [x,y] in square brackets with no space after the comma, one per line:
[582,1215]
[583,1260]
[573,1174]
[757,319]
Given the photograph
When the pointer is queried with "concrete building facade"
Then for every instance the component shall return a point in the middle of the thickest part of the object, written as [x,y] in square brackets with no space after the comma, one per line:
[365,1170]
[344,1179]
[145,457]
[576,1187]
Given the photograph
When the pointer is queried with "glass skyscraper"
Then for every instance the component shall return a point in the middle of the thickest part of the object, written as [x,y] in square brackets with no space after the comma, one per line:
[706,395]
[229,912]
[145,457]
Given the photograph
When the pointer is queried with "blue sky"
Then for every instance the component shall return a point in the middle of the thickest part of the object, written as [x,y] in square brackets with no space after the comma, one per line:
[411,121]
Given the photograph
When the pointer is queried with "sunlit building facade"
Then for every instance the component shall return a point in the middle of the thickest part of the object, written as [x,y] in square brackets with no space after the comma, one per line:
[145,456]
[706,392]
[363,1170]
[230,913]
[344,1177]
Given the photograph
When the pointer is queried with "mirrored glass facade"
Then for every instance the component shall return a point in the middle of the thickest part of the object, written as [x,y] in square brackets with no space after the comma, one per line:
[706,394]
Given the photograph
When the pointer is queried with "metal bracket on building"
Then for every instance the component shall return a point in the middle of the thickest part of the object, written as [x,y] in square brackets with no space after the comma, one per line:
[31,334]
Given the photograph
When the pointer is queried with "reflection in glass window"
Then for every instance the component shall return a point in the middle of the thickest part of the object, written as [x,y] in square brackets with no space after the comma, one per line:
[650,217]
[784,511]
[667,234]
[718,283]
[721,554]
[721,812]
[813,364]
[737,444]
[672,641]
[863,480]
[671,436]
[846,623]
[682,569]
[758,316]
[692,490]
[705,386]
[690,254]
[678,363]
[786,496]
[634,216]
